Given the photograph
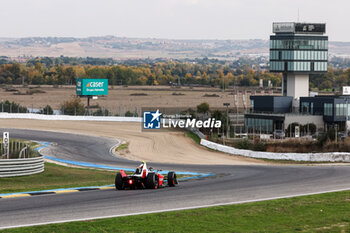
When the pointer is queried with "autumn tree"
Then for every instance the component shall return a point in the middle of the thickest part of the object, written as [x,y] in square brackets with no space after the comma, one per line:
[203,108]
[73,107]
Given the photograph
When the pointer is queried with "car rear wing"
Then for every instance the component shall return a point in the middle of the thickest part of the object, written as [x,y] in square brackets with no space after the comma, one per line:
[123,173]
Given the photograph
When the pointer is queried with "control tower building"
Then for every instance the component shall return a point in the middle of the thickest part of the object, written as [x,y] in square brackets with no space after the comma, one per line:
[298,50]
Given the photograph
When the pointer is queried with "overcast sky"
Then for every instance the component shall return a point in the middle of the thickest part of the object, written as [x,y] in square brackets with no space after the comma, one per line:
[172,19]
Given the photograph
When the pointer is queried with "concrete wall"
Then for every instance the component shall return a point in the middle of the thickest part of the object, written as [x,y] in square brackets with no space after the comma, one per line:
[313,157]
[298,85]
[67,118]
[303,120]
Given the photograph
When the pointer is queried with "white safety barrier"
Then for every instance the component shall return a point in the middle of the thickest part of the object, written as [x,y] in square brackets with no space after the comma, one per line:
[67,117]
[21,167]
[311,157]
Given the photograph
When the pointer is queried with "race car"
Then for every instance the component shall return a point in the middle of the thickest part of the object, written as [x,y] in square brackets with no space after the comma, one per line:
[143,178]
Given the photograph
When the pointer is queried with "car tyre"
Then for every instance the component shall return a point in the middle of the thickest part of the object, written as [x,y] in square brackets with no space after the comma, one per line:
[172,180]
[119,184]
[152,181]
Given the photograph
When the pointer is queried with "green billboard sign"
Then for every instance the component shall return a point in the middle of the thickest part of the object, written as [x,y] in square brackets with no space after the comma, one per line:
[92,86]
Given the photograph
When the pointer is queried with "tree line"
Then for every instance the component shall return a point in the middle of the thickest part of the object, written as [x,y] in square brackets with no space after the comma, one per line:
[46,71]
[161,73]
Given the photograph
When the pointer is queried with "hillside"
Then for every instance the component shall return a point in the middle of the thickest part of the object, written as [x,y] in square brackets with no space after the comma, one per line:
[121,48]
[126,48]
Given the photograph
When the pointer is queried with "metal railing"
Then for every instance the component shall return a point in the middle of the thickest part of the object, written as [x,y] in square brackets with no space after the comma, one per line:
[15,160]
[16,149]
[21,167]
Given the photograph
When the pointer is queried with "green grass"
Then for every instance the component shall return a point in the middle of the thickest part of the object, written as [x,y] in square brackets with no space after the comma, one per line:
[317,213]
[56,176]
[281,161]
[194,137]
[122,146]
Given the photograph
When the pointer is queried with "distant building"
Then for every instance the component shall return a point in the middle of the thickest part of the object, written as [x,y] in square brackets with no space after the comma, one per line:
[271,113]
[297,50]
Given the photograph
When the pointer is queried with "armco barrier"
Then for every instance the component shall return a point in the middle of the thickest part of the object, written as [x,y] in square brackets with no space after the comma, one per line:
[21,167]
[310,157]
[32,116]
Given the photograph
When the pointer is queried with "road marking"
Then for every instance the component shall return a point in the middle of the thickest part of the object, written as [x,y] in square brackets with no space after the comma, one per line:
[54,191]
[78,189]
[107,188]
[107,167]
[67,191]
[175,209]
[15,195]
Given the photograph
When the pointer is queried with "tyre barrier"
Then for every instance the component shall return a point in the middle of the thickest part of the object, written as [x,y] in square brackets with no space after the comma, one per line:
[21,167]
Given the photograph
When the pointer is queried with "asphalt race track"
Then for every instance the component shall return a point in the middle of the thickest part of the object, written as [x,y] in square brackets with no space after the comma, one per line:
[232,184]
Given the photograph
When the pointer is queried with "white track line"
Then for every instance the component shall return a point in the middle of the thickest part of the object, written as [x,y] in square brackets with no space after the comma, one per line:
[176,209]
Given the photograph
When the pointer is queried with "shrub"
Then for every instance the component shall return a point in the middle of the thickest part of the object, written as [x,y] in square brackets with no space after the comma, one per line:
[129,114]
[325,137]
[12,107]
[331,134]
[309,128]
[46,110]
[203,107]
[73,107]
[259,146]
[291,128]
[222,116]
[100,112]
[243,144]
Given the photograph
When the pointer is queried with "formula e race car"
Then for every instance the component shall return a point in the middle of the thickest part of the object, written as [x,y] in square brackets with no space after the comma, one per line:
[143,178]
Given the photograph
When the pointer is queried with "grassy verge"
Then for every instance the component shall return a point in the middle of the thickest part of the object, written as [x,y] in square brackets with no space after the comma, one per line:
[122,146]
[56,176]
[317,213]
[194,137]
[281,161]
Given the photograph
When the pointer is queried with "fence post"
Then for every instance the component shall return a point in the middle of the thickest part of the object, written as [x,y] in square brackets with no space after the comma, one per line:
[10,150]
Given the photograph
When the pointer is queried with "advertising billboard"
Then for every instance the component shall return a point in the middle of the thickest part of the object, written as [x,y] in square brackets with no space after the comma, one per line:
[310,28]
[92,87]
[283,27]
[299,28]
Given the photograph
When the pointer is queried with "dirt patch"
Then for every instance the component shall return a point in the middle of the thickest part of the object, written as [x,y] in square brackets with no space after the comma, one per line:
[138,94]
[122,99]
[175,93]
[211,95]
[165,147]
